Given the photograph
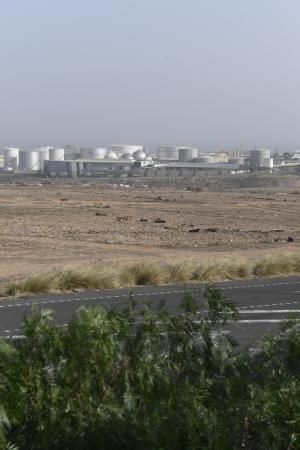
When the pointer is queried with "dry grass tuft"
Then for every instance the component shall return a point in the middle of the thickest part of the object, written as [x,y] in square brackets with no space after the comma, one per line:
[227,269]
[147,273]
[100,277]
[127,278]
[180,272]
[94,278]
[40,282]
[276,265]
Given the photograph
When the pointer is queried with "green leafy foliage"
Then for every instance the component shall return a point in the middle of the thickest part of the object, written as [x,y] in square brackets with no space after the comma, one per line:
[138,379]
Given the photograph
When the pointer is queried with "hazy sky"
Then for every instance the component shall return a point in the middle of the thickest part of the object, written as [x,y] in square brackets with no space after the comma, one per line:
[211,73]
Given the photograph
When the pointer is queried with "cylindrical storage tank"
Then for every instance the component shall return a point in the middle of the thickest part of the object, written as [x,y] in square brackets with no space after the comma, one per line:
[29,160]
[44,155]
[42,149]
[71,156]
[204,159]
[185,154]
[71,152]
[98,153]
[139,155]
[11,157]
[268,163]
[56,154]
[85,153]
[194,153]
[257,158]
[169,152]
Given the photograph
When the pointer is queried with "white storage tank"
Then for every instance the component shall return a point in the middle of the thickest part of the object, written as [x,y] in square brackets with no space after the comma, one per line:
[268,163]
[29,160]
[43,151]
[44,148]
[44,155]
[98,153]
[11,157]
[111,155]
[71,152]
[71,156]
[139,155]
[169,152]
[92,153]
[257,157]
[56,154]
[85,153]
[186,153]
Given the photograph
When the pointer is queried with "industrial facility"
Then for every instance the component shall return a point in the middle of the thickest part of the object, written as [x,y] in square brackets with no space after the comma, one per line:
[135,160]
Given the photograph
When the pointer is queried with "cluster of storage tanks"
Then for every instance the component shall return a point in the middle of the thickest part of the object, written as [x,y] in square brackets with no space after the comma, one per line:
[185,154]
[33,160]
[115,152]
[259,159]
[176,153]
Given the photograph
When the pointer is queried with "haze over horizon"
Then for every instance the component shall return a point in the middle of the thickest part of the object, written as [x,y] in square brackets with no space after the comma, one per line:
[212,74]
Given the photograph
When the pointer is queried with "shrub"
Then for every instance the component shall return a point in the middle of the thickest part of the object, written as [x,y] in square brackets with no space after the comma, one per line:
[140,380]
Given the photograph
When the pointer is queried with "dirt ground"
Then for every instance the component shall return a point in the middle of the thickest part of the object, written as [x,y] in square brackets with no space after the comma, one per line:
[44,227]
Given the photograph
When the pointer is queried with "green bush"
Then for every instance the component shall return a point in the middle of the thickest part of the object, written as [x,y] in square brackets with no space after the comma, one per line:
[139,380]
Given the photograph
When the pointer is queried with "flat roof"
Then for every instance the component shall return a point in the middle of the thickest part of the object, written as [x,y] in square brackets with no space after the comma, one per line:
[98,161]
[191,165]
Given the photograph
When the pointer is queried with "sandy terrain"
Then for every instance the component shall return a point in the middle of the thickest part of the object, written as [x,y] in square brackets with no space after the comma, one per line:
[53,226]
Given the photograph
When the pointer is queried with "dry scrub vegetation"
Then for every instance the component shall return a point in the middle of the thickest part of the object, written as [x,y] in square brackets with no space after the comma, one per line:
[103,277]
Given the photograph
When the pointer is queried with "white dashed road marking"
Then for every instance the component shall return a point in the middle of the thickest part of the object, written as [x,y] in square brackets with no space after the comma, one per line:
[268,311]
[48,302]
[258,285]
[261,321]
[248,309]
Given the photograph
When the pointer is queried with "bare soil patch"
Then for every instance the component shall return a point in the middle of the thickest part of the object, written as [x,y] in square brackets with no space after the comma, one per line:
[43,226]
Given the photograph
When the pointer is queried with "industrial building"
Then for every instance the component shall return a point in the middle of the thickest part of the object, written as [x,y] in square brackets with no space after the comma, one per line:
[88,168]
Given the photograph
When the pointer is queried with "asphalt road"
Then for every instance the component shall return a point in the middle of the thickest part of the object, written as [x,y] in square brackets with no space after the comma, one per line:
[263,304]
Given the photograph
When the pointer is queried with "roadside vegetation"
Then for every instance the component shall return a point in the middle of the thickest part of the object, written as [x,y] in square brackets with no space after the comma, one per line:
[104,277]
[144,380]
